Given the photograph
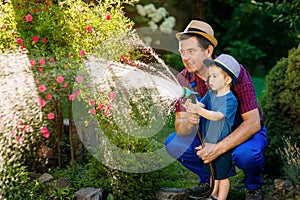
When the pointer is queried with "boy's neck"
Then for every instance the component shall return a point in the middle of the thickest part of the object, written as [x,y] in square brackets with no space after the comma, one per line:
[223,91]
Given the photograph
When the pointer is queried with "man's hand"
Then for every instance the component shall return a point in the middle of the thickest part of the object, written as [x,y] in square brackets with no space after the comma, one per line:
[192,118]
[191,112]
[208,153]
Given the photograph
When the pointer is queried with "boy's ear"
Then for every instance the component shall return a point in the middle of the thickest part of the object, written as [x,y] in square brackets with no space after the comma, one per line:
[228,80]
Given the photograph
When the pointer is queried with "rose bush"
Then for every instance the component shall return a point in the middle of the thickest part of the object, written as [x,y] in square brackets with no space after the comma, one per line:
[57,37]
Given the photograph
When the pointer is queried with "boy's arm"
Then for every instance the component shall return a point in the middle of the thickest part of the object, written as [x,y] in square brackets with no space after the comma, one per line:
[199,109]
[210,115]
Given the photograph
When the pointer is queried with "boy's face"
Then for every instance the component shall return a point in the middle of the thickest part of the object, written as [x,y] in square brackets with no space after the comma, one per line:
[217,78]
[192,55]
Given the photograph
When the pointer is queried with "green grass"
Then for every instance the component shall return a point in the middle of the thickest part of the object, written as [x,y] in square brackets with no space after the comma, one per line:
[259,85]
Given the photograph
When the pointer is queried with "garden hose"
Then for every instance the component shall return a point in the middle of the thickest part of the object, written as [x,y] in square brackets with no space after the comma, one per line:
[212,184]
[212,179]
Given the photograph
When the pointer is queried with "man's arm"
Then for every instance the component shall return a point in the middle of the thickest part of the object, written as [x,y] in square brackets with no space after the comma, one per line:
[246,130]
[184,122]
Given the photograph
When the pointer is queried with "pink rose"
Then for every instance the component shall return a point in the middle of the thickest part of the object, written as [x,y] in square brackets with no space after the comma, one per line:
[66,84]
[13,133]
[44,39]
[112,95]
[79,79]
[48,96]
[44,129]
[60,79]
[46,134]
[42,61]
[89,29]
[93,111]
[19,41]
[92,102]
[81,52]
[72,97]
[26,128]
[41,69]
[101,106]
[50,116]
[40,102]
[29,18]
[23,48]
[43,88]
[107,112]
[77,93]
[20,139]
[32,63]
[52,60]
[35,38]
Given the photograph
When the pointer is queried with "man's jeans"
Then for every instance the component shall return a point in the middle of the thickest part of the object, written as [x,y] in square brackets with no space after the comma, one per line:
[248,156]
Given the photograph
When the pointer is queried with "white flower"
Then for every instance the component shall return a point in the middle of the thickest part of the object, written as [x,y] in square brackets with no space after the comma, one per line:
[149,8]
[167,25]
[155,16]
[157,42]
[171,20]
[162,12]
[140,9]
[147,39]
[152,25]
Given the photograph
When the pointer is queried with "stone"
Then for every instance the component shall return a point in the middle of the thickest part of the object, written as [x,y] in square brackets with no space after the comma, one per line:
[89,193]
[46,177]
[172,194]
[63,182]
[33,175]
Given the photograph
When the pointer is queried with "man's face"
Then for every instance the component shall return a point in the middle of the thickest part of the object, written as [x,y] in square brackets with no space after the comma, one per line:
[192,55]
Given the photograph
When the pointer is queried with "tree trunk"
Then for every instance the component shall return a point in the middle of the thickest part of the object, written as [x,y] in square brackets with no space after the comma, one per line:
[59,129]
[197,10]
[71,135]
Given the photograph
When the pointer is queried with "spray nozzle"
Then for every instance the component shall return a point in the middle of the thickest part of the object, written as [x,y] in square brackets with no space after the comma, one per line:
[186,93]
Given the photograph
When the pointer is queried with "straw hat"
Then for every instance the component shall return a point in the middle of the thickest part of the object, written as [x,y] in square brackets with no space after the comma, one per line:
[200,28]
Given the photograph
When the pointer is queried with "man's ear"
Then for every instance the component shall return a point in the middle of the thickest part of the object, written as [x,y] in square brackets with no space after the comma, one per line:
[210,50]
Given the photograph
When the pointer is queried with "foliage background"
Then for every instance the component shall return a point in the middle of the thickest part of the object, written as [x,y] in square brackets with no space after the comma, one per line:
[258,44]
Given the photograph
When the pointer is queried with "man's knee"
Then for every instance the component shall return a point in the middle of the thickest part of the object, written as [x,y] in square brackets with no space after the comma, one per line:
[248,159]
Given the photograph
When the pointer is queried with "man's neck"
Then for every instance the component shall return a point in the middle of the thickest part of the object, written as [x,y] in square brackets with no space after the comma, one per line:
[203,74]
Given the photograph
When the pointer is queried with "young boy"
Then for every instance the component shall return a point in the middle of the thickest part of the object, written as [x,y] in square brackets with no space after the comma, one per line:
[218,108]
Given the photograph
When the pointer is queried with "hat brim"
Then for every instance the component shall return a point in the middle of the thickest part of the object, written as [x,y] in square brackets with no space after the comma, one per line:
[207,36]
[208,63]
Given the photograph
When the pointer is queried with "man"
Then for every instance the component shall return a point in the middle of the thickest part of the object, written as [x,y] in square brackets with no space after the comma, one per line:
[248,138]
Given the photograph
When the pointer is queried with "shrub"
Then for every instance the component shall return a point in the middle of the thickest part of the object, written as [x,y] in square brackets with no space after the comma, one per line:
[280,106]
[56,38]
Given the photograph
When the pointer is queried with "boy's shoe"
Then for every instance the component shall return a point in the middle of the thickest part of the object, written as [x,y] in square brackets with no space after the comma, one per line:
[254,195]
[200,191]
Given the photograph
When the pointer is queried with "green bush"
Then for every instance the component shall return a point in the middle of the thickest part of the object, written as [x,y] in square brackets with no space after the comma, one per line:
[280,106]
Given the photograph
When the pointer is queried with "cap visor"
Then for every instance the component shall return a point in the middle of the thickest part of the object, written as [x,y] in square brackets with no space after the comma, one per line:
[208,62]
